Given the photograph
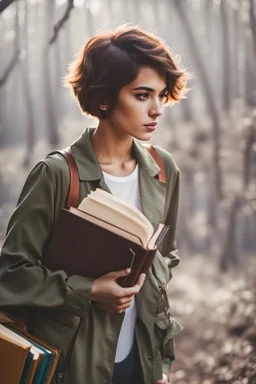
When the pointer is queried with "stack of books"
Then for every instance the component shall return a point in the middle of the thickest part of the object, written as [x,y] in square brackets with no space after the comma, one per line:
[104,234]
[24,358]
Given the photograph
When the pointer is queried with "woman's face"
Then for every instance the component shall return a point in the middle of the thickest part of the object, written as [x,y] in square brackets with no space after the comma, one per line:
[139,104]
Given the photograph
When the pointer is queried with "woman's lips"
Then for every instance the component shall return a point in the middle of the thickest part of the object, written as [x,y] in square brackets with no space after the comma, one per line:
[151,127]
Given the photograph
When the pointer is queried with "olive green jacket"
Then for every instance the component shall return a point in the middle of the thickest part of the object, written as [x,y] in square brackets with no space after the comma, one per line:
[55,303]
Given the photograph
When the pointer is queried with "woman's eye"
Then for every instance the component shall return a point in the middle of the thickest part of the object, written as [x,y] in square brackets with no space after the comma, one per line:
[163,95]
[142,96]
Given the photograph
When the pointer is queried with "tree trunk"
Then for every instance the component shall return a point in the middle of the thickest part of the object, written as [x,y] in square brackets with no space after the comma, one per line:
[187,213]
[25,70]
[250,83]
[58,71]
[247,156]
[88,20]
[253,25]
[195,54]
[236,53]
[48,72]
[230,253]
[226,83]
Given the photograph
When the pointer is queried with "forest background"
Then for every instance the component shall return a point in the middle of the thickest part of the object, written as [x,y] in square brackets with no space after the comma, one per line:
[211,134]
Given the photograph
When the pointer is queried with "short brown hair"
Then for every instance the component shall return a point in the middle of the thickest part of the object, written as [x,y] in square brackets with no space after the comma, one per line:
[109,61]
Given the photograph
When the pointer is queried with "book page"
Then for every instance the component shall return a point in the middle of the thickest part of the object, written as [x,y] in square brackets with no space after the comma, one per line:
[113,210]
[14,336]
[118,204]
[158,236]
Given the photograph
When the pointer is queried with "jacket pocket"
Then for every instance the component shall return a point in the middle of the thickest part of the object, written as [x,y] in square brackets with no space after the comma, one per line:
[165,329]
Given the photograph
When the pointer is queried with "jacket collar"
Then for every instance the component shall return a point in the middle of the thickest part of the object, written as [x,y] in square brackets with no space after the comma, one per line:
[89,168]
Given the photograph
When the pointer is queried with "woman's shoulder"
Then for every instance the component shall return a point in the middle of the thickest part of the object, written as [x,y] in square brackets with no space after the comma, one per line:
[57,164]
[168,160]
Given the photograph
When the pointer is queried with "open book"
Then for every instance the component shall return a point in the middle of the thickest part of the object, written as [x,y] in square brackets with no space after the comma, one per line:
[113,214]
[104,234]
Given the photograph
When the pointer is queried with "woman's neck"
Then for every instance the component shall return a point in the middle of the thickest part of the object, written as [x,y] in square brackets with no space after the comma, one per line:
[110,146]
[114,152]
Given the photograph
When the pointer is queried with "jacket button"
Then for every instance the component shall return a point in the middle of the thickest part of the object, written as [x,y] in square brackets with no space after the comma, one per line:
[149,357]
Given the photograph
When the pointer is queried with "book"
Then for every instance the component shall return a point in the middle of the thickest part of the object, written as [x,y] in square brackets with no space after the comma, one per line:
[104,234]
[22,363]
[25,359]
[11,351]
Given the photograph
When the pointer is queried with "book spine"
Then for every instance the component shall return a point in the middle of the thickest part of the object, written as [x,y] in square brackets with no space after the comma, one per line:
[149,261]
[140,259]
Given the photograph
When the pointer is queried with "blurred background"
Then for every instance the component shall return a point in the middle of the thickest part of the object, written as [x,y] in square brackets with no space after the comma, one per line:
[211,134]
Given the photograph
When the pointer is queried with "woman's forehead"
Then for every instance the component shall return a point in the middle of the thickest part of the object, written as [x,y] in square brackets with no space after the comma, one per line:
[150,78]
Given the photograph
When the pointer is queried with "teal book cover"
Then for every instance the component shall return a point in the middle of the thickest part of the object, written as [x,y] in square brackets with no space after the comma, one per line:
[27,367]
[43,369]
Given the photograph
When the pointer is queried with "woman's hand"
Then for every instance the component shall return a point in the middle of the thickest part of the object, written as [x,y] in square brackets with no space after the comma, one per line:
[109,296]
[164,380]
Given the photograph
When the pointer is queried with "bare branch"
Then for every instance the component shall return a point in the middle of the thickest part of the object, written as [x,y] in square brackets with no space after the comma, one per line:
[4,4]
[253,25]
[62,21]
[10,67]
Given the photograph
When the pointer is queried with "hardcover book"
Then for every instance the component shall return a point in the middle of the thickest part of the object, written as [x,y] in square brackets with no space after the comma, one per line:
[102,235]
[24,358]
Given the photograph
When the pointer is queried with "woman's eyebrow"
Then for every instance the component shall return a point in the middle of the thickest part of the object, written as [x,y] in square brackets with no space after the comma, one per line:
[144,88]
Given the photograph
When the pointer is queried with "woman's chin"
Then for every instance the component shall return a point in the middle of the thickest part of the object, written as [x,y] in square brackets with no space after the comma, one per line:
[144,136]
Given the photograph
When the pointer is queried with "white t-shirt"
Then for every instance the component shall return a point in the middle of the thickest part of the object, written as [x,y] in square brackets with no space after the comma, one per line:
[127,189]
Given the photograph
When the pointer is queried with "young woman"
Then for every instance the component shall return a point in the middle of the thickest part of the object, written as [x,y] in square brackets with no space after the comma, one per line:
[124,79]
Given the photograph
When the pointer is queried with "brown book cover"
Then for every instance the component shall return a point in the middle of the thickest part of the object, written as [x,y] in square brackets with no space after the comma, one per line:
[80,247]
[13,357]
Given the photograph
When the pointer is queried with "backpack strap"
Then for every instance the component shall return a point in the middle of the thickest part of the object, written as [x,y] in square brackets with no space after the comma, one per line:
[73,196]
[158,160]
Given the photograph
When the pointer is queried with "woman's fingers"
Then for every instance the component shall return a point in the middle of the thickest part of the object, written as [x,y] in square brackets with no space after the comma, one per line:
[136,288]
[117,274]
[125,300]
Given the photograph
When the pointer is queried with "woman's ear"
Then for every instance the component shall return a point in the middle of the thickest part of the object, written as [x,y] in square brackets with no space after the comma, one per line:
[104,106]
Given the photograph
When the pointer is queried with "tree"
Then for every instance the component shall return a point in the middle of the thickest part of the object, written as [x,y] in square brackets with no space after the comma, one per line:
[25,70]
[50,105]
[216,190]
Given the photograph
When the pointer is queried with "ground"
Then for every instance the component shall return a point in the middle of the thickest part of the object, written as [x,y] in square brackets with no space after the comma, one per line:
[218,344]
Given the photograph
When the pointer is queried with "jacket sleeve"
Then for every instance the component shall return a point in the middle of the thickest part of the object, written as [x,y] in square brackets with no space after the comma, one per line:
[167,361]
[168,248]
[24,282]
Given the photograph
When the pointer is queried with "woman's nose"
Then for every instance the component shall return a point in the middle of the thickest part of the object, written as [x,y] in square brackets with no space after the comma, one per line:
[157,109]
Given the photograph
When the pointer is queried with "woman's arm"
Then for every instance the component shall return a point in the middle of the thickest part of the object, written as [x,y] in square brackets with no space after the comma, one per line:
[24,282]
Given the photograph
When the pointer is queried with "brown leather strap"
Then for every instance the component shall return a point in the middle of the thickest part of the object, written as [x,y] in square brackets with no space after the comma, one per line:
[158,160]
[73,196]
